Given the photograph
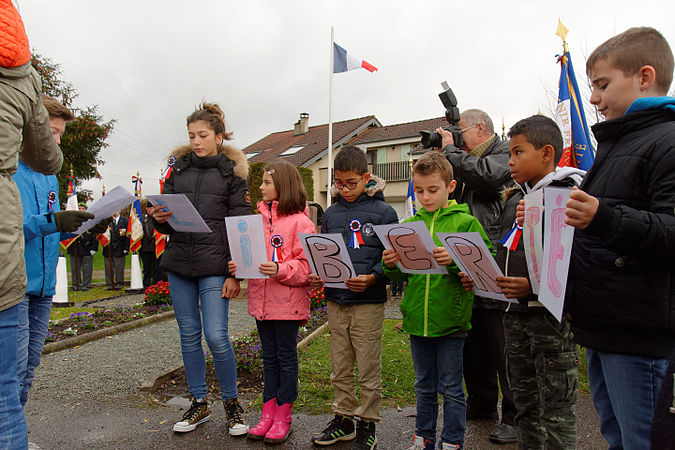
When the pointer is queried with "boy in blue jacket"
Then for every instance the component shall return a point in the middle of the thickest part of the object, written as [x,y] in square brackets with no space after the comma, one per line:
[620,294]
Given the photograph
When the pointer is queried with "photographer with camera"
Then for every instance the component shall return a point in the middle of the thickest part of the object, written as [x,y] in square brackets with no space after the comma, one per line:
[482,172]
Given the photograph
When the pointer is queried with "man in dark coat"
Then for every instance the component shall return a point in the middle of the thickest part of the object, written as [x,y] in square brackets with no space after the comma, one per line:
[152,274]
[482,172]
[115,253]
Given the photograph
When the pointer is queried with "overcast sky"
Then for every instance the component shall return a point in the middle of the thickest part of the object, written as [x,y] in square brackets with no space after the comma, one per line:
[147,64]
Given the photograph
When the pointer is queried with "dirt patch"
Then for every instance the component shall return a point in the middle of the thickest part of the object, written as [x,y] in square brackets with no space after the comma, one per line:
[248,352]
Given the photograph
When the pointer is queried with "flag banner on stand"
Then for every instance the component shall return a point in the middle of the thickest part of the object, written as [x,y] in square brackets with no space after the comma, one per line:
[346,61]
[577,145]
[410,208]
[135,227]
[71,205]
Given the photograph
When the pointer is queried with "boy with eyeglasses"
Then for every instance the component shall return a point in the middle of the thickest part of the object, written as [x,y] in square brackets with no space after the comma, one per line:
[355,314]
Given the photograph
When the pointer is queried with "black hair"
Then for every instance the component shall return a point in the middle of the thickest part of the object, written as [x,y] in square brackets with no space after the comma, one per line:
[540,131]
[351,158]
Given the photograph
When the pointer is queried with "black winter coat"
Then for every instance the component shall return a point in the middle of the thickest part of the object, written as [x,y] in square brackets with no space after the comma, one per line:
[148,240]
[217,188]
[119,241]
[369,209]
[621,284]
[480,182]
[84,245]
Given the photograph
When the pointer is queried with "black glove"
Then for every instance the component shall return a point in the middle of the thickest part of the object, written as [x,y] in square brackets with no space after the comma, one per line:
[69,221]
[100,227]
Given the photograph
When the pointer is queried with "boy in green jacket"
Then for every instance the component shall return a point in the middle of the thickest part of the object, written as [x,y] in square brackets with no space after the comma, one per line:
[436,309]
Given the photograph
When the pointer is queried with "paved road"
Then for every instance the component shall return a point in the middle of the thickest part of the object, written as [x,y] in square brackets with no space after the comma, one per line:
[88,397]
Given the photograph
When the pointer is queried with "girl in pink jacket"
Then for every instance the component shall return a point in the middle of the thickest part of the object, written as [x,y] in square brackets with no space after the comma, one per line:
[280,303]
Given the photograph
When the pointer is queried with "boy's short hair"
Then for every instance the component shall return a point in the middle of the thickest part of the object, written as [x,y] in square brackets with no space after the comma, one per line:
[351,158]
[635,48]
[434,162]
[56,109]
[540,131]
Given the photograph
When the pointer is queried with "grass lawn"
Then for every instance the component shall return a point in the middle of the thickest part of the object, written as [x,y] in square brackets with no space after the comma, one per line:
[398,376]
[98,264]
[315,392]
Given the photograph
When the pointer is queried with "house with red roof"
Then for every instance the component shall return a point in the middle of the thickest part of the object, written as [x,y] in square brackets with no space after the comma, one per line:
[387,148]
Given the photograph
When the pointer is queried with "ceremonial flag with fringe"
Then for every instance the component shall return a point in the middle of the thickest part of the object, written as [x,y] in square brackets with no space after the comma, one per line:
[135,225]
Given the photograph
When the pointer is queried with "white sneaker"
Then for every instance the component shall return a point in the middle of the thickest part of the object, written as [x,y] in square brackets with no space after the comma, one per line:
[198,413]
[420,443]
[233,412]
[448,446]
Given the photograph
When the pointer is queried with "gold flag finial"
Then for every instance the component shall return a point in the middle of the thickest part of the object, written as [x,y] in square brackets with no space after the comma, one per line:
[562,32]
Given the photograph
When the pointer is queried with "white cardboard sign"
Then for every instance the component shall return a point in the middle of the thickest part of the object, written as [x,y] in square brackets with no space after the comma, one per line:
[558,238]
[413,243]
[469,252]
[246,238]
[328,258]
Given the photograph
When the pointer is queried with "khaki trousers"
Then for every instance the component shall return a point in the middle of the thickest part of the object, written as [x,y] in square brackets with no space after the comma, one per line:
[356,336]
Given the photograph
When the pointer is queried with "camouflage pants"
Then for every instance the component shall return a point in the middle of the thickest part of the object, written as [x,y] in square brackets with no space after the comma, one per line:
[542,362]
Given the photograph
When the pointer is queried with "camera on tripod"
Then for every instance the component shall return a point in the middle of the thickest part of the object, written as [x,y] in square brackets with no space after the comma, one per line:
[433,139]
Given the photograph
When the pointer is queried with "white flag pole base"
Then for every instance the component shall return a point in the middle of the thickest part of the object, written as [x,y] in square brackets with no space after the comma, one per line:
[61,296]
[136,275]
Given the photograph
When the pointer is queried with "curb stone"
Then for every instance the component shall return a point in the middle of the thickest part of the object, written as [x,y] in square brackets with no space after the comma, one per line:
[104,332]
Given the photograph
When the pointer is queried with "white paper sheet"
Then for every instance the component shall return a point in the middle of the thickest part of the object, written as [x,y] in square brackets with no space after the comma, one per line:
[469,252]
[328,258]
[246,239]
[558,238]
[185,217]
[533,241]
[414,245]
[106,206]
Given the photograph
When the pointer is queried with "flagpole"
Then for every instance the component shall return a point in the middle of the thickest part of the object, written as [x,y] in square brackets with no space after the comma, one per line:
[329,175]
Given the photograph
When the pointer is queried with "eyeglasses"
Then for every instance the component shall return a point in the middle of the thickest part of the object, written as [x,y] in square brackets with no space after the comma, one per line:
[350,185]
[468,128]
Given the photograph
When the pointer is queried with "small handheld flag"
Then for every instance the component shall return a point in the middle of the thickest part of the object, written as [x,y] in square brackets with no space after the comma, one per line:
[512,238]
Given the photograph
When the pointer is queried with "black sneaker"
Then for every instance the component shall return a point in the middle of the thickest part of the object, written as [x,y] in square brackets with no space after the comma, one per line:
[235,422]
[365,436]
[503,434]
[341,428]
[198,413]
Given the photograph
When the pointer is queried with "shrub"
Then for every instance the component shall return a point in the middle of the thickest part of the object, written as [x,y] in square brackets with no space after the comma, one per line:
[158,294]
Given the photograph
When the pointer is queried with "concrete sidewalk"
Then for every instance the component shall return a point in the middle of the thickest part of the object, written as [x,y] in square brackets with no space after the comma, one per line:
[89,397]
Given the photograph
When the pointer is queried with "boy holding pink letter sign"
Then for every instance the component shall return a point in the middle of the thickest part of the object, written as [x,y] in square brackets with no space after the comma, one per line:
[542,358]
[436,310]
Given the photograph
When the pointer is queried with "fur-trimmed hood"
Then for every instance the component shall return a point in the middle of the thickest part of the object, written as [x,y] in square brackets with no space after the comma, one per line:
[375,185]
[232,153]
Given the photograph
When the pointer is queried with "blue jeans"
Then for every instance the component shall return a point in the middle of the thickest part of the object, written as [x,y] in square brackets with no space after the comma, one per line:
[186,294]
[438,370]
[280,359]
[33,323]
[13,429]
[625,389]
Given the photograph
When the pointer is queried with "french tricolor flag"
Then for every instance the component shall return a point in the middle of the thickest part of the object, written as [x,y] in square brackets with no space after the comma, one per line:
[344,61]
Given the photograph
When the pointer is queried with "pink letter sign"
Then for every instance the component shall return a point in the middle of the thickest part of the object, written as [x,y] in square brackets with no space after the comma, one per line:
[328,258]
[469,252]
[533,236]
[557,250]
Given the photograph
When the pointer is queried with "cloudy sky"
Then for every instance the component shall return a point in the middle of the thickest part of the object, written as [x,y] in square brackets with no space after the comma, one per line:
[147,64]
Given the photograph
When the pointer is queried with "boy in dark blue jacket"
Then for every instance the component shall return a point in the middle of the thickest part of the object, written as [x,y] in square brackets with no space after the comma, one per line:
[621,286]
[355,314]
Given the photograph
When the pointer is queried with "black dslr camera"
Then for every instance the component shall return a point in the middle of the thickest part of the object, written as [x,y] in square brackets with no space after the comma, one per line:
[433,139]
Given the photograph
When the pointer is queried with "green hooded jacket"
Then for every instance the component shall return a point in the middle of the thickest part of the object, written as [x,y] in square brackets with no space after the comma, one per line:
[437,305]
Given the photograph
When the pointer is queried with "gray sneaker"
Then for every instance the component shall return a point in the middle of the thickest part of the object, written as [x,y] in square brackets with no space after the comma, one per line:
[503,434]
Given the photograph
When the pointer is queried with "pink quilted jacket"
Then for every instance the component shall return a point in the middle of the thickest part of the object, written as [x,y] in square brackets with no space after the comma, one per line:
[286,296]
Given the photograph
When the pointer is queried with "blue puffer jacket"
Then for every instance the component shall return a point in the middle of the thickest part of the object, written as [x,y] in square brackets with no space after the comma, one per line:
[40,234]
[369,209]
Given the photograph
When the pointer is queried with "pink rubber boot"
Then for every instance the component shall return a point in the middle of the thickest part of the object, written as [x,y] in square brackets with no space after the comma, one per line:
[281,428]
[258,432]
